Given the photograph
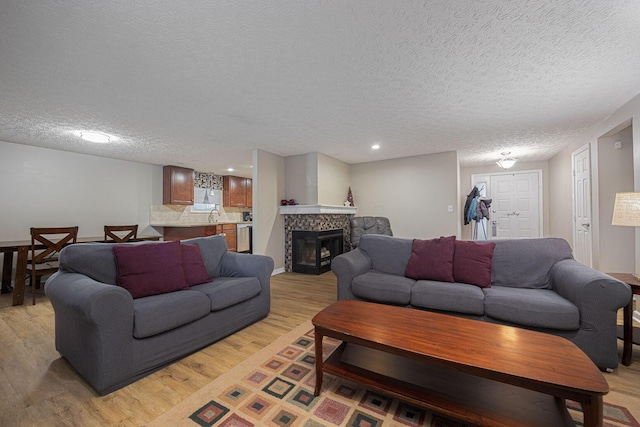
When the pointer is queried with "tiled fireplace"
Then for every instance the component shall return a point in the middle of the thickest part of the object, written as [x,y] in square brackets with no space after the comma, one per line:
[313,251]
[317,218]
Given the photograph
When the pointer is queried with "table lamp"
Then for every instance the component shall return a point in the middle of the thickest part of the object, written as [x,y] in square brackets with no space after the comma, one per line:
[626,212]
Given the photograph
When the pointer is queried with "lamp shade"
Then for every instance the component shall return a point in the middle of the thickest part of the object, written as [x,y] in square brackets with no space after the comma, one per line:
[626,210]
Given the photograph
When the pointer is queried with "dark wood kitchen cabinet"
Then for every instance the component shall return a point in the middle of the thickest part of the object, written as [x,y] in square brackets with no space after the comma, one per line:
[237,192]
[230,235]
[183,233]
[177,185]
[249,193]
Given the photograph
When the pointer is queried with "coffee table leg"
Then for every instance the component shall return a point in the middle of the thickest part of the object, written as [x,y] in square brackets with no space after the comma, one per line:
[593,412]
[319,362]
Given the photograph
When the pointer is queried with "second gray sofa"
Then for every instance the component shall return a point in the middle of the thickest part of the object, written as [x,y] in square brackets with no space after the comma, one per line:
[535,284]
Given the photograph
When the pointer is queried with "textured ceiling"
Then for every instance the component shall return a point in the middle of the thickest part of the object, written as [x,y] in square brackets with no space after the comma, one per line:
[202,83]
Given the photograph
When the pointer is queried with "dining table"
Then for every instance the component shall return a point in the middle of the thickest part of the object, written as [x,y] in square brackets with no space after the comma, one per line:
[22,248]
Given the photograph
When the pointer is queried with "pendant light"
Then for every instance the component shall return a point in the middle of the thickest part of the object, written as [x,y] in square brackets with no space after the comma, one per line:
[506,162]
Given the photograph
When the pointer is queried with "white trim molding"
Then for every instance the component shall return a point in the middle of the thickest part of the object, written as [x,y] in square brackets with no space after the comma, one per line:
[317,209]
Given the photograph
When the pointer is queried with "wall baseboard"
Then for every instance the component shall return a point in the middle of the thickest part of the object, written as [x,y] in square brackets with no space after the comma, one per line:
[278,271]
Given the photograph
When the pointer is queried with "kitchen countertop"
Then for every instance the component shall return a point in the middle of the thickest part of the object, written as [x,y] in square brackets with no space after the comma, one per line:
[199,224]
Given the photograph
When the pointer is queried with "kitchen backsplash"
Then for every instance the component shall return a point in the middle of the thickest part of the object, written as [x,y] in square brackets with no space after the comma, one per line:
[181,215]
[208,180]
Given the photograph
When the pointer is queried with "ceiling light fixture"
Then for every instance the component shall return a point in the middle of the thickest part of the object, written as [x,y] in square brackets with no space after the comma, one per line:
[375,146]
[230,170]
[99,138]
[506,162]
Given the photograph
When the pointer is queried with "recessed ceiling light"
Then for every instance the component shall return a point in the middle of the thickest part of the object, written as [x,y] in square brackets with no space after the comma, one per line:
[375,146]
[230,170]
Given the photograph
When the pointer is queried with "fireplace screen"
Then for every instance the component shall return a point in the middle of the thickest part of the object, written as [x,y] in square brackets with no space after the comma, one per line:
[314,250]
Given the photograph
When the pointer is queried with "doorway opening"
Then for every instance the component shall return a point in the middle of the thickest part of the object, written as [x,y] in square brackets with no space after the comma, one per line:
[581,190]
[516,205]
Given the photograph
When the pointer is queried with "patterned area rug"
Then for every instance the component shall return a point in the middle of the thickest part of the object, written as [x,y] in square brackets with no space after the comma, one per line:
[274,387]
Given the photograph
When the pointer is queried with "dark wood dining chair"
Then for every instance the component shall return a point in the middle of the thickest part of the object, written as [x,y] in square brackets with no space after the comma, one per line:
[46,244]
[111,236]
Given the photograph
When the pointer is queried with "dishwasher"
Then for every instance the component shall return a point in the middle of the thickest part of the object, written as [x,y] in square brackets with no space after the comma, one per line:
[243,243]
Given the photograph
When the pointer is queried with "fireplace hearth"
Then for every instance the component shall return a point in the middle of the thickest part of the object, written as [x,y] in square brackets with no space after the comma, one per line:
[313,251]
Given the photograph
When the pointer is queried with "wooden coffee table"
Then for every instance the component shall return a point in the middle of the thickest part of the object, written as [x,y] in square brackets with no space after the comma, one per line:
[477,372]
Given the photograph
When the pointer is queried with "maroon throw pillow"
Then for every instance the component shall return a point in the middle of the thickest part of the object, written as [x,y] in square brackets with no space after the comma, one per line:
[194,270]
[472,262]
[432,259]
[150,269]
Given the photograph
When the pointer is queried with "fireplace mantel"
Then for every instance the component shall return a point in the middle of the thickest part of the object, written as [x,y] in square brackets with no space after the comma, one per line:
[317,209]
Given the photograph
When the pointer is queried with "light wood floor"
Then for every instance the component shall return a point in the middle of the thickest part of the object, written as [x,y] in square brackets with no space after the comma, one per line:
[38,387]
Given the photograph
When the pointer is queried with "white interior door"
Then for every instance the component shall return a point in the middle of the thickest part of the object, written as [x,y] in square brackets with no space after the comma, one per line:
[582,205]
[516,206]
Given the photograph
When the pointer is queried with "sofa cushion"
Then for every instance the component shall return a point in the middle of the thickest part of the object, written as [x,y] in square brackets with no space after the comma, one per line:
[472,262]
[155,314]
[224,292]
[526,263]
[539,308]
[212,249]
[432,259]
[455,297]
[194,270]
[150,269]
[95,260]
[387,254]
[382,287]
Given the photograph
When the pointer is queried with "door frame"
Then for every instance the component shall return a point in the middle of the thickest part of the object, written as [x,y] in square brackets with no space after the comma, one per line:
[587,148]
[479,177]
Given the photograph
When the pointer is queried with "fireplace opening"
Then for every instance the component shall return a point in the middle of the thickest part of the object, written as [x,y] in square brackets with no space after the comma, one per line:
[312,251]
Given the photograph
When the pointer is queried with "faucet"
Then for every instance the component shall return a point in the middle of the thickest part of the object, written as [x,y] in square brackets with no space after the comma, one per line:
[211,216]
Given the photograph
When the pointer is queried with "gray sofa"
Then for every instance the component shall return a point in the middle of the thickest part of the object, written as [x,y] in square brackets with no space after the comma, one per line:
[535,284]
[113,340]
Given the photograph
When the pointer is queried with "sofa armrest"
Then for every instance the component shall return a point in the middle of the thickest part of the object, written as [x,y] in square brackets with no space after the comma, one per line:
[598,298]
[235,264]
[582,285]
[93,301]
[346,267]
[93,324]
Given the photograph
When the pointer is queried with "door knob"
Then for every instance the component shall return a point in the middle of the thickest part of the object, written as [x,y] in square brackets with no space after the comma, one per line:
[586,225]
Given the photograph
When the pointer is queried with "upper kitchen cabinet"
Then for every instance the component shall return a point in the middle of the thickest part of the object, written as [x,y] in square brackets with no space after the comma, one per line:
[177,185]
[237,192]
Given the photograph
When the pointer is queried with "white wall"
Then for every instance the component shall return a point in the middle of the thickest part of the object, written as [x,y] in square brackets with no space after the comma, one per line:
[616,175]
[268,190]
[413,192]
[561,220]
[302,178]
[315,178]
[465,183]
[334,179]
[48,188]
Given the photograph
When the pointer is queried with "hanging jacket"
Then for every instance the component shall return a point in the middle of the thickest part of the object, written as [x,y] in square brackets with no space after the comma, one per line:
[472,214]
[482,209]
[465,213]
